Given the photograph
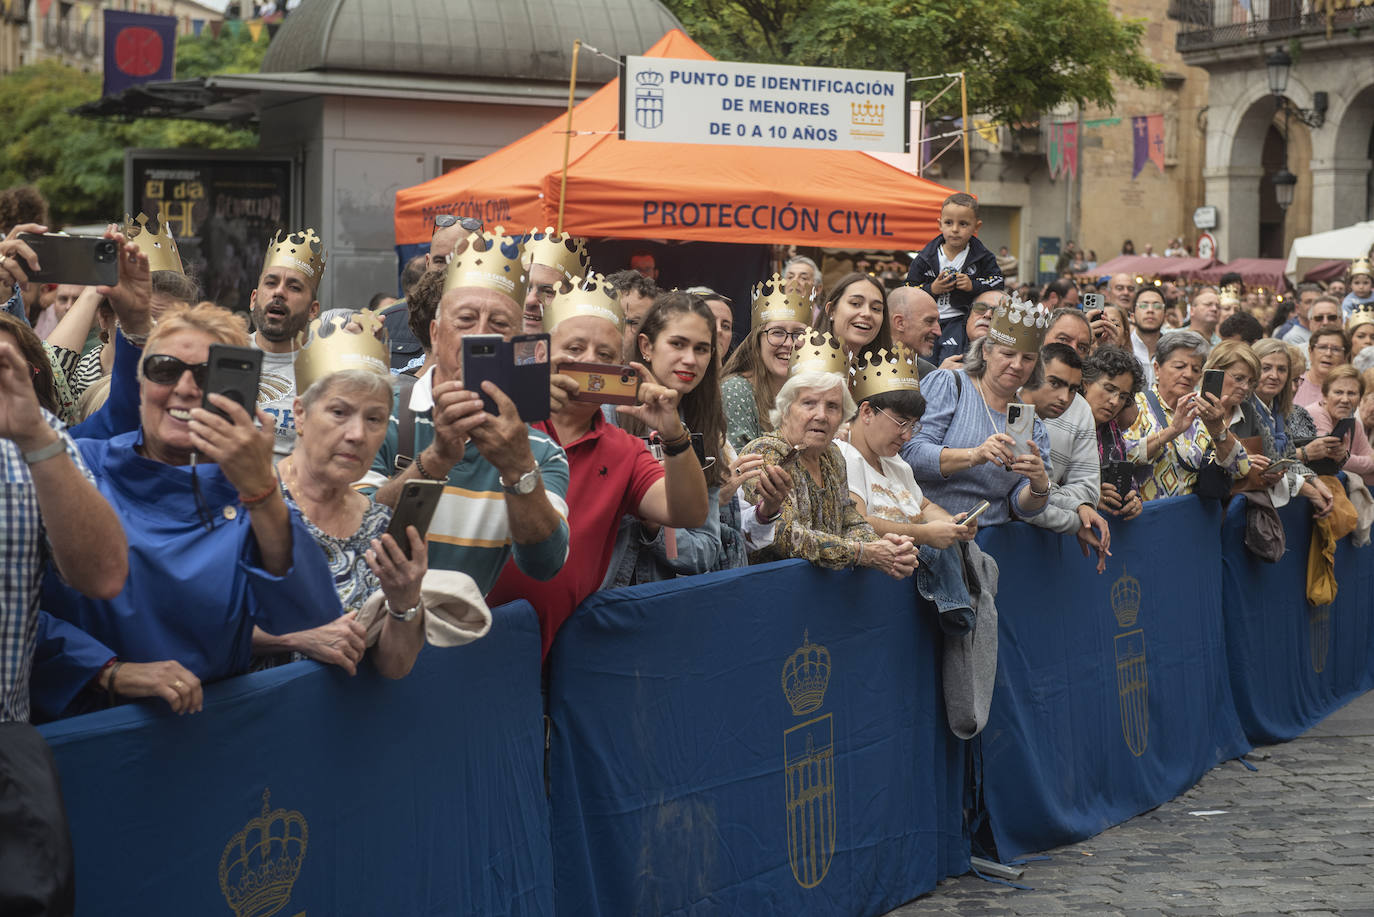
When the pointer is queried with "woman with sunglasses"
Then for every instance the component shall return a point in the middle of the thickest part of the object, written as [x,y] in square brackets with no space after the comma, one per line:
[214,549]
[677,342]
[758,368]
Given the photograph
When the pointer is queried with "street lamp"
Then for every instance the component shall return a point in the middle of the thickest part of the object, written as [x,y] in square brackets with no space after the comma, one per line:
[1278,63]
[1284,181]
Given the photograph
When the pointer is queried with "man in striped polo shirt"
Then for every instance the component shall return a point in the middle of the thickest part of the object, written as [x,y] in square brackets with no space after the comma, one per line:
[507,483]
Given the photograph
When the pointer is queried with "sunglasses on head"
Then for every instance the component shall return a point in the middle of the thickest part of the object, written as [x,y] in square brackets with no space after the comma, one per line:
[444,220]
[164,369]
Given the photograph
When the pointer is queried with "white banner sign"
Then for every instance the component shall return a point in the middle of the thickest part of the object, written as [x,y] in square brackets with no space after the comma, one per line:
[701,101]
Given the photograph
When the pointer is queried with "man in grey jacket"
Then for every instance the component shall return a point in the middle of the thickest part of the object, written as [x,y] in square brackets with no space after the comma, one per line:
[1075,474]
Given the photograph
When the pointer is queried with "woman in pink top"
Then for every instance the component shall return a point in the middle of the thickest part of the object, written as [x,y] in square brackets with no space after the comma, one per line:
[1326,349]
[1341,394]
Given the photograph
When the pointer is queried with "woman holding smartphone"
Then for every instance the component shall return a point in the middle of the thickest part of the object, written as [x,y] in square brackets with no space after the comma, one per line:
[341,420]
[1341,393]
[1270,413]
[677,341]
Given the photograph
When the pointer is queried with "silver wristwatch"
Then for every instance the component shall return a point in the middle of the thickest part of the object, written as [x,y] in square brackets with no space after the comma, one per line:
[524,485]
[406,615]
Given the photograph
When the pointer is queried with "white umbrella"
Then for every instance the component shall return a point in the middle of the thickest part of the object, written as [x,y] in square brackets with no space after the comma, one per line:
[1346,244]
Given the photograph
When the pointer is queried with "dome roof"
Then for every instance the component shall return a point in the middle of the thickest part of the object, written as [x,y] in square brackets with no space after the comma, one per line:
[506,40]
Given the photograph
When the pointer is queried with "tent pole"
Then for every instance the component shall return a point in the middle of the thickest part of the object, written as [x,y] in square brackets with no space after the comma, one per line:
[567,136]
[963,104]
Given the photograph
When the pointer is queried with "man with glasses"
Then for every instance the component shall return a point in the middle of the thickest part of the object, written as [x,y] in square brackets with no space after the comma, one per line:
[405,347]
[1073,467]
[1307,294]
[949,353]
[1147,319]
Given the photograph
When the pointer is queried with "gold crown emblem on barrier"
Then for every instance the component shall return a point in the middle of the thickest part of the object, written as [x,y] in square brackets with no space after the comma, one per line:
[772,303]
[591,296]
[302,251]
[805,676]
[489,261]
[260,863]
[342,340]
[560,251]
[1360,315]
[1126,599]
[873,373]
[819,352]
[1361,266]
[1019,325]
[1229,295]
[154,239]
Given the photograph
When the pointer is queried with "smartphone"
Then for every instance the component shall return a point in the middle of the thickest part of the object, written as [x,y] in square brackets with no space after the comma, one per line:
[87,260]
[1021,426]
[604,383]
[1281,465]
[1343,429]
[1092,302]
[1121,475]
[975,513]
[234,372]
[416,506]
[1212,380]
[518,367]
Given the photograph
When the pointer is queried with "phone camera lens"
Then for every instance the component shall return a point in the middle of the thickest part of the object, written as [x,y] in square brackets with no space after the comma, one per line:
[105,251]
[625,379]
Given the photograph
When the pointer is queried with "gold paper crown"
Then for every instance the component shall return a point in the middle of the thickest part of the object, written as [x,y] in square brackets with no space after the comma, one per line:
[1126,599]
[1360,315]
[157,244]
[873,373]
[301,251]
[260,863]
[1019,325]
[1361,266]
[805,676]
[328,346]
[592,296]
[489,261]
[565,253]
[772,303]
[1229,295]
[821,352]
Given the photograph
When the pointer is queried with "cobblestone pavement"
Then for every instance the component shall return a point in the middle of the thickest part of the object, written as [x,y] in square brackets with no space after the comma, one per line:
[1297,837]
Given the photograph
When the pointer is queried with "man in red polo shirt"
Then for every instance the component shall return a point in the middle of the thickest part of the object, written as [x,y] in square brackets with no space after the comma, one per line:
[612,473]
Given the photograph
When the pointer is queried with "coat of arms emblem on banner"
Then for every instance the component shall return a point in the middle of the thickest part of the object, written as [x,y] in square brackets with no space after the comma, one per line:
[1132,683]
[1319,635]
[260,863]
[809,756]
[649,99]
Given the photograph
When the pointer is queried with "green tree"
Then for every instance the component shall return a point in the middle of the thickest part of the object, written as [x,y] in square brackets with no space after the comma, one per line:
[1021,57]
[78,162]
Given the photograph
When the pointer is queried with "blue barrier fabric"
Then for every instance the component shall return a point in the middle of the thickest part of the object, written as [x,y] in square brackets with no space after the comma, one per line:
[1293,663]
[767,741]
[302,790]
[1112,693]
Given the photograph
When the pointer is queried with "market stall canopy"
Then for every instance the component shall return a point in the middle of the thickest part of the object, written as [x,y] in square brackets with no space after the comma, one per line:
[1325,271]
[1150,266]
[1254,272]
[689,192]
[1345,244]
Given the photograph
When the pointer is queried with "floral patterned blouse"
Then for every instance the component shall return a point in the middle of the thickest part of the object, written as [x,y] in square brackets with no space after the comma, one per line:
[353,578]
[1174,471]
[819,522]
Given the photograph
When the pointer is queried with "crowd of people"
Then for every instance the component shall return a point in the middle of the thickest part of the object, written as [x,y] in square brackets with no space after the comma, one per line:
[162,536]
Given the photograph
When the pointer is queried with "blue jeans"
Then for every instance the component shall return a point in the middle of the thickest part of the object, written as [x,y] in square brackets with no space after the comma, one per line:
[940,579]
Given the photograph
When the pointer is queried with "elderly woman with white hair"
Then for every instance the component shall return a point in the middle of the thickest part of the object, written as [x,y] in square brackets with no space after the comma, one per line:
[341,418]
[818,520]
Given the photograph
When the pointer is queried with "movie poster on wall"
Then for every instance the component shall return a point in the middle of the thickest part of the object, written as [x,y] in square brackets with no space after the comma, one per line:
[222,208]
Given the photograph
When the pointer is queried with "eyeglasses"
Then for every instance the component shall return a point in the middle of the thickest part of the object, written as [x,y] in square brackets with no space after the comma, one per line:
[165,369]
[902,425]
[979,308]
[1328,348]
[778,336]
[444,220]
[1323,319]
[1241,380]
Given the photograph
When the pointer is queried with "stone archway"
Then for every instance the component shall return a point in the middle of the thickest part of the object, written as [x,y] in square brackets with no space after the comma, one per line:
[1345,181]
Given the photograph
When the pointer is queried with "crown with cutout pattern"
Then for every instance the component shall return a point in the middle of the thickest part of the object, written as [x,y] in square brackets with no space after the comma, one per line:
[342,340]
[1019,325]
[590,296]
[302,251]
[488,261]
[154,239]
[772,303]
[566,254]
[820,352]
[873,373]
[1361,266]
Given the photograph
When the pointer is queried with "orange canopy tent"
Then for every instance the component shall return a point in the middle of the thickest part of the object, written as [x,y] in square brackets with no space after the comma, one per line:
[690,192]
